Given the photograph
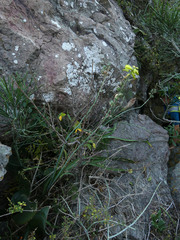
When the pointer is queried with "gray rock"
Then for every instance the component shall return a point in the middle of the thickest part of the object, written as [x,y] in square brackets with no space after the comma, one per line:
[175,184]
[174,175]
[141,160]
[66,44]
[5,153]
[132,184]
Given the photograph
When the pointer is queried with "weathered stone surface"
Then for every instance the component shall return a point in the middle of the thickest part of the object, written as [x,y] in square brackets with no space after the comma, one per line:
[175,184]
[174,175]
[142,165]
[5,152]
[65,44]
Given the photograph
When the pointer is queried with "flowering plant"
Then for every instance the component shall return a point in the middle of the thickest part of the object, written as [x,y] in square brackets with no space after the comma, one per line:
[132,71]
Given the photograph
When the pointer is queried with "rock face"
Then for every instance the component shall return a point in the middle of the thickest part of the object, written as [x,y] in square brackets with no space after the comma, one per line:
[5,152]
[175,184]
[142,162]
[66,44]
[174,175]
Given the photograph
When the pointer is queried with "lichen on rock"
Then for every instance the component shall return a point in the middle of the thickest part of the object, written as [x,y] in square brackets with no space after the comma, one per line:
[66,43]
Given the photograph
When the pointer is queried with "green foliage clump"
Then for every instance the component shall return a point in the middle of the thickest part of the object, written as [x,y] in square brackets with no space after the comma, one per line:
[55,149]
[50,149]
[156,24]
[157,221]
[16,106]
[160,24]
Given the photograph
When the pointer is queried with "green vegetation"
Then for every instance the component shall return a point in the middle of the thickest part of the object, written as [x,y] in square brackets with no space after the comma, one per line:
[157,222]
[156,24]
[160,26]
[50,151]
[161,223]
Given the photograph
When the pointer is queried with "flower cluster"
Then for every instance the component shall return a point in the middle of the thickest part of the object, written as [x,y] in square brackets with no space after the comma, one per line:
[132,71]
[52,237]
[16,207]
[92,213]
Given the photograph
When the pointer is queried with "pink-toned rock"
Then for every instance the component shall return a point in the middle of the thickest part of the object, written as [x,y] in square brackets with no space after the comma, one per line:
[66,44]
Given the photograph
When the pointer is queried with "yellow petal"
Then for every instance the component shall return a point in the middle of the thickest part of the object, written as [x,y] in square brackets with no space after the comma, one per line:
[94,145]
[136,71]
[78,129]
[128,68]
[61,115]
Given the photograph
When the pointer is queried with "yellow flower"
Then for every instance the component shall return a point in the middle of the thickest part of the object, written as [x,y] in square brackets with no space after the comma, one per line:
[133,71]
[78,129]
[136,71]
[130,171]
[94,145]
[128,68]
[61,115]
[133,75]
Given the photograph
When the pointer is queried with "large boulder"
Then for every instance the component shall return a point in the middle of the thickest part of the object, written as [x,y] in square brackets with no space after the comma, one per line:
[66,44]
[137,169]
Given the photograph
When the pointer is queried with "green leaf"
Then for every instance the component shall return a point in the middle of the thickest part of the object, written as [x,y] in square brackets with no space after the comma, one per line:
[77,125]
[137,30]
[71,165]
[69,117]
[65,154]
[89,146]
[149,179]
[103,166]
[24,217]
[40,219]
[48,171]
[149,143]
[4,113]
[96,159]
[121,139]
